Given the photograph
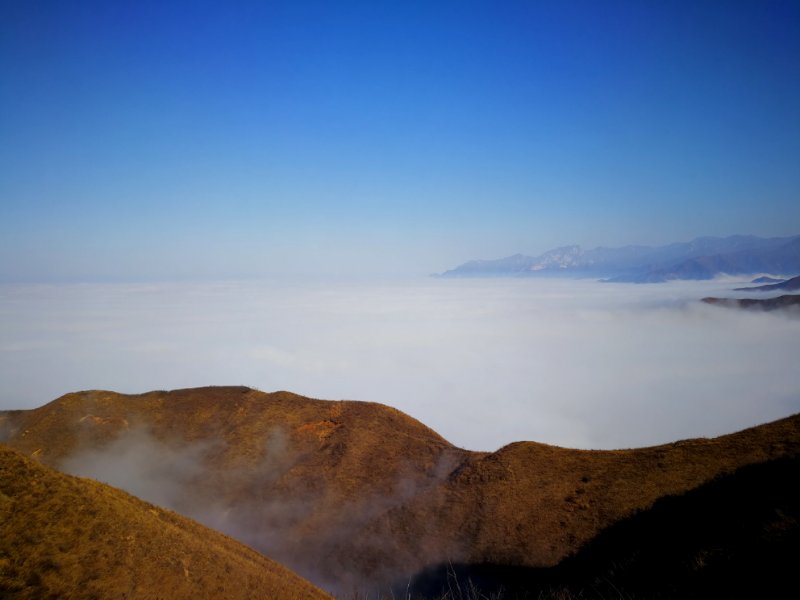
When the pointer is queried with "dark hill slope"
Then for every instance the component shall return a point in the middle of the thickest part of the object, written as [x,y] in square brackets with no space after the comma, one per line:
[66,537]
[542,502]
[351,493]
[737,536]
[787,302]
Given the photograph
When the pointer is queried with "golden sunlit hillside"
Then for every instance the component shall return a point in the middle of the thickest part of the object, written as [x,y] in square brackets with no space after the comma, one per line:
[68,537]
[353,494]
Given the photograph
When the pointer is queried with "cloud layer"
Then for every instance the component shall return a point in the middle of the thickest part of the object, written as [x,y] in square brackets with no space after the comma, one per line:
[483,362]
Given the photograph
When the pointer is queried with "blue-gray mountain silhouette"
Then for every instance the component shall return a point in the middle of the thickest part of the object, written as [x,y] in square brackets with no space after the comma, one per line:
[702,258]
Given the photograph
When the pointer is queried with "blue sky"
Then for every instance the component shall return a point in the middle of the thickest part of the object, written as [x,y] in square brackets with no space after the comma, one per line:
[202,140]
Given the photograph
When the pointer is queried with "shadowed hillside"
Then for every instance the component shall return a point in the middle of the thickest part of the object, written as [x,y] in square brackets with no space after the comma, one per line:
[354,494]
[734,537]
[65,537]
[787,302]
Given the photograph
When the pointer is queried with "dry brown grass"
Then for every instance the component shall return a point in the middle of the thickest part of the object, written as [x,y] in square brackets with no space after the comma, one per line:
[365,493]
[66,537]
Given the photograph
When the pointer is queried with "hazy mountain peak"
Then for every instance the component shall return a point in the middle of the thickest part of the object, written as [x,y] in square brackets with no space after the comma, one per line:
[700,258]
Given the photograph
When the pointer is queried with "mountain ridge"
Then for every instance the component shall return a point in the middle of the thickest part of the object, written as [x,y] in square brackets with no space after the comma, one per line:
[784,303]
[701,258]
[352,494]
[792,284]
[735,536]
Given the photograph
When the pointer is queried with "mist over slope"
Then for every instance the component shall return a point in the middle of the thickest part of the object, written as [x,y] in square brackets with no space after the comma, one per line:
[65,537]
[353,494]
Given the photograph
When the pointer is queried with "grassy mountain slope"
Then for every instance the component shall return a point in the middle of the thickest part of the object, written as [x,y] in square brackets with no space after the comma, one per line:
[351,493]
[67,537]
[736,536]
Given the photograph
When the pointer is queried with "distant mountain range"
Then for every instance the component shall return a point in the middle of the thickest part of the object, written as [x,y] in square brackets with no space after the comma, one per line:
[767,279]
[785,302]
[702,258]
[788,285]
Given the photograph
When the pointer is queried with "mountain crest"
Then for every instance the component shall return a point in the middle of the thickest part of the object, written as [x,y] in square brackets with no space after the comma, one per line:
[701,258]
[357,494]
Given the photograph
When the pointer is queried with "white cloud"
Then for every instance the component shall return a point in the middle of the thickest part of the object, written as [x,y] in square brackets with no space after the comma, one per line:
[484,362]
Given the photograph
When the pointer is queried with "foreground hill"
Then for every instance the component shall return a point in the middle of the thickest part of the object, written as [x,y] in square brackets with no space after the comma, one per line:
[354,494]
[736,536]
[65,537]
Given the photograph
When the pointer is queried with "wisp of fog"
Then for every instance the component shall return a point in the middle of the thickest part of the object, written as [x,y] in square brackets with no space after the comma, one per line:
[483,362]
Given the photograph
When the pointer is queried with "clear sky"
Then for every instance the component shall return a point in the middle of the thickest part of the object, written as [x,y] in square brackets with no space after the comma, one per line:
[165,140]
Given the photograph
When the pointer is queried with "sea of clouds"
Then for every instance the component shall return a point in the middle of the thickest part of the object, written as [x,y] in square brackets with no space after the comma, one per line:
[483,362]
